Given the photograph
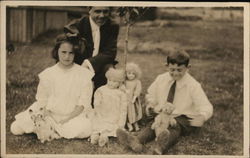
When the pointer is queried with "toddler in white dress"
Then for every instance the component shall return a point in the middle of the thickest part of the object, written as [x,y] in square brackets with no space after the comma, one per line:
[110,107]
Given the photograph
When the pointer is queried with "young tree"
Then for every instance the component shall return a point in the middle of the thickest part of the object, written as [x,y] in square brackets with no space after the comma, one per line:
[129,15]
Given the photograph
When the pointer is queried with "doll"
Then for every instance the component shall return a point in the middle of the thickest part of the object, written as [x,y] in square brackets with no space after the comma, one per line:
[43,125]
[133,86]
[163,119]
[110,108]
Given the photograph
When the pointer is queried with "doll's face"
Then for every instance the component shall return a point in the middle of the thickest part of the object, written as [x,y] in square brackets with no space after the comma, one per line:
[113,84]
[130,75]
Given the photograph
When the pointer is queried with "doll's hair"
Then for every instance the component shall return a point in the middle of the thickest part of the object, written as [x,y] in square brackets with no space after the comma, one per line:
[115,75]
[179,57]
[62,38]
[132,67]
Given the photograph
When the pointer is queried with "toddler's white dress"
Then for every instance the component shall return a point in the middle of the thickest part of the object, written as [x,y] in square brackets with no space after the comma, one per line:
[60,91]
[110,106]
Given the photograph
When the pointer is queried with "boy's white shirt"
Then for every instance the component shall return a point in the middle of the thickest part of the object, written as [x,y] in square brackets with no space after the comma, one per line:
[190,99]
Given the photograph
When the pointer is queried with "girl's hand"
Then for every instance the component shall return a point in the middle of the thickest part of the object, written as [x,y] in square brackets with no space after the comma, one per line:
[64,121]
[47,113]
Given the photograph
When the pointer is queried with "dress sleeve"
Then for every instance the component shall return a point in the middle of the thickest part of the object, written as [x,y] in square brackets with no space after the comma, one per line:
[123,110]
[86,89]
[201,102]
[43,89]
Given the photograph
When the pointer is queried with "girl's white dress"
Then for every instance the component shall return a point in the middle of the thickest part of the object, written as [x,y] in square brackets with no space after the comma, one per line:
[60,91]
[111,109]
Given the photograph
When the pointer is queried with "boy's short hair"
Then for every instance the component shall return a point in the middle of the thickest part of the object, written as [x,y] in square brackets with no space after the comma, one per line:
[179,57]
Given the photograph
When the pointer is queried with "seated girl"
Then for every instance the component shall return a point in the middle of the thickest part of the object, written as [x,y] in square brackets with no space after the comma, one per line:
[63,99]
[110,107]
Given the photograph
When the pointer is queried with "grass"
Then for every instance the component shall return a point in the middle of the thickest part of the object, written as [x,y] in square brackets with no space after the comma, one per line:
[216,49]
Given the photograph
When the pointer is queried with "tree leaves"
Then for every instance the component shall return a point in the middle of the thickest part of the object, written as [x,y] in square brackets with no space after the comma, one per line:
[131,14]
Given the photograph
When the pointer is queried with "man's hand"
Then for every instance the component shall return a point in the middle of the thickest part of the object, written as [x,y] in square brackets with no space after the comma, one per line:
[196,120]
[84,64]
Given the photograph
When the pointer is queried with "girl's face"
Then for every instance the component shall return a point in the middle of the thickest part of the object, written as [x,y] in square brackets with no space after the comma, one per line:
[130,75]
[113,84]
[66,55]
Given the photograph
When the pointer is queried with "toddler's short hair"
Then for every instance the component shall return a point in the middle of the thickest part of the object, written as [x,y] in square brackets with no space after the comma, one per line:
[115,75]
[179,57]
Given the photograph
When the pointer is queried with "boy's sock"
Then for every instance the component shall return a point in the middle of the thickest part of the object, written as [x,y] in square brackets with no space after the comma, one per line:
[129,140]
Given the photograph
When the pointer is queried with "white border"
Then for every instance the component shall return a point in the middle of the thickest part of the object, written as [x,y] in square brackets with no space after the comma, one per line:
[123,3]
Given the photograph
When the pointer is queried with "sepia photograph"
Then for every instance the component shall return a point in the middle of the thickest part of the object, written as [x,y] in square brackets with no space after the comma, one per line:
[124,79]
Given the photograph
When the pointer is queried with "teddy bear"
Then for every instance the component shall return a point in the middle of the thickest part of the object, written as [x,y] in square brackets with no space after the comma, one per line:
[164,119]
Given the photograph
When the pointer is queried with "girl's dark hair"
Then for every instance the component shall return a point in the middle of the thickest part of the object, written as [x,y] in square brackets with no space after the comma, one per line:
[179,57]
[62,38]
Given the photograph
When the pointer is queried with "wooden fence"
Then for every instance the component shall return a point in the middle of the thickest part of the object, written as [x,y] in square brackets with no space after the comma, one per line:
[25,23]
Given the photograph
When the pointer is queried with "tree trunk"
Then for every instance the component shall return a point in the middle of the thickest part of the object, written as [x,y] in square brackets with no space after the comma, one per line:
[126,45]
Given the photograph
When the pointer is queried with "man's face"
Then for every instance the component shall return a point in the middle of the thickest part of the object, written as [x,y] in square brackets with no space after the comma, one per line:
[99,14]
[177,72]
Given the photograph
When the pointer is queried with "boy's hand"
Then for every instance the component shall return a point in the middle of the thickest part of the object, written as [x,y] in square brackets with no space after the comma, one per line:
[150,111]
[197,120]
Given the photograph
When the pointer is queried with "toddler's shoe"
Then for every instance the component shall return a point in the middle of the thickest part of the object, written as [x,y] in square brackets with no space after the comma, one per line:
[94,138]
[103,139]
[129,140]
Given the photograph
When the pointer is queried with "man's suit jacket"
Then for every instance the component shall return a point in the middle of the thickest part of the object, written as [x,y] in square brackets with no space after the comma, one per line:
[108,42]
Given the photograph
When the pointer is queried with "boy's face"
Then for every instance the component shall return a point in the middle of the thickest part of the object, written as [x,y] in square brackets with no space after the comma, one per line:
[99,14]
[177,72]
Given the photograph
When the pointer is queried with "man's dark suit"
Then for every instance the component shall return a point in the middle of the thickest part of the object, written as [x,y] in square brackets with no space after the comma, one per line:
[107,49]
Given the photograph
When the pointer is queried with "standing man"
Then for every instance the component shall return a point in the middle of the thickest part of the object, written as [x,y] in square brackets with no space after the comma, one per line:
[99,34]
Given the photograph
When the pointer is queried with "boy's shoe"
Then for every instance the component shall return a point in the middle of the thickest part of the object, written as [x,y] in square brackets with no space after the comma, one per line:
[129,140]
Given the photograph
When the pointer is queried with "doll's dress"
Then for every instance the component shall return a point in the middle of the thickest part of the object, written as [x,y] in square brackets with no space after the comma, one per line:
[59,91]
[134,109]
[110,109]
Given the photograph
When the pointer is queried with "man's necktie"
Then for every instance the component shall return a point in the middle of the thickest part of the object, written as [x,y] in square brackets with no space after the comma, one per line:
[171,93]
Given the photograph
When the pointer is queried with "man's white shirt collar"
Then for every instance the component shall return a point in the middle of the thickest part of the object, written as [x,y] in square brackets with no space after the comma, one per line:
[93,25]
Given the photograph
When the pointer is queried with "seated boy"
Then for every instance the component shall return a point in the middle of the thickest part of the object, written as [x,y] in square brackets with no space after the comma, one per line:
[176,86]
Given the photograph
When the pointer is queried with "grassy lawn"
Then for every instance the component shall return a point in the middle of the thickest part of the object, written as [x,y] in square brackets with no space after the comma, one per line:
[216,49]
